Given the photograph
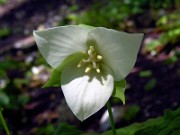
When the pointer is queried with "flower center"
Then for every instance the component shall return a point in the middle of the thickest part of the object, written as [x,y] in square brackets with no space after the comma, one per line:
[92,61]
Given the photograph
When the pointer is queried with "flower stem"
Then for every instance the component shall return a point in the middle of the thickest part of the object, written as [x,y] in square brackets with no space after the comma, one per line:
[4,122]
[111,117]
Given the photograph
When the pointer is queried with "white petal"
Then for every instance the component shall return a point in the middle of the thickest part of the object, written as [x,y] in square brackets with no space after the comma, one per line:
[85,93]
[119,49]
[57,43]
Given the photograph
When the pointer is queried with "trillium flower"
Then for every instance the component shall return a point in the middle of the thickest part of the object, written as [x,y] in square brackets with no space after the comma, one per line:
[91,60]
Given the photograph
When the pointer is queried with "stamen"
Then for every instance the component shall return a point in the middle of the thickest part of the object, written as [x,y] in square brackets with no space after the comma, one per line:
[98,70]
[88,69]
[86,61]
[91,50]
[99,57]
[79,65]
[92,61]
[94,64]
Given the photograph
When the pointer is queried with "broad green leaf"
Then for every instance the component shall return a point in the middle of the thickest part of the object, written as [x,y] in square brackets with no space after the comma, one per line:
[119,89]
[167,125]
[55,79]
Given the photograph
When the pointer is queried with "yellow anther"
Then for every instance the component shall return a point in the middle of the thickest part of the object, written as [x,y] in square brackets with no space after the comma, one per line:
[88,69]
[98,70]
[92,62]
[91,51]
[86,61]
[79,65]
[99,57]
[92,48]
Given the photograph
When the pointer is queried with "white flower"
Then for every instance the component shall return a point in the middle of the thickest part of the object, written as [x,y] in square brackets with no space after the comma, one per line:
[88,81]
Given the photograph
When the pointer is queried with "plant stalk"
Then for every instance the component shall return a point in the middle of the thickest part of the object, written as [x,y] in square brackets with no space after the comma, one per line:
[111,117]
[4,122]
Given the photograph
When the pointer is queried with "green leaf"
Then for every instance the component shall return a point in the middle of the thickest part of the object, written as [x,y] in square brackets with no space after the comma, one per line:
[167,125]
[119,90]
[55,79]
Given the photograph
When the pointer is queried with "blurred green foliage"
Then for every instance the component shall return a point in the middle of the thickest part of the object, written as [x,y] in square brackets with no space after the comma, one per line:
[132,112]
[171,60]
[150,84]
[145,73]
[61,129]
[2,2]
[169,27]
[115,13]
[4,99]
[4,32]
[65,129]
[15,80]
[46,130]
[10,93]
